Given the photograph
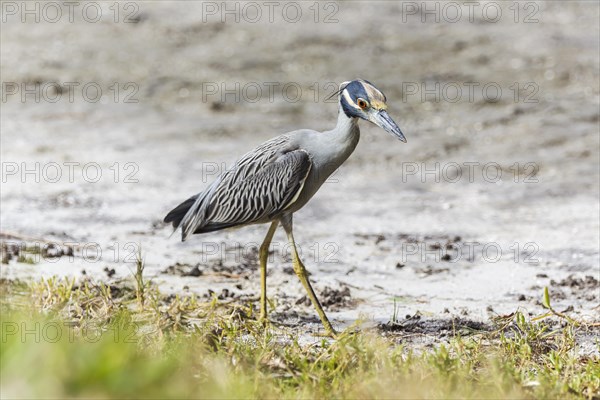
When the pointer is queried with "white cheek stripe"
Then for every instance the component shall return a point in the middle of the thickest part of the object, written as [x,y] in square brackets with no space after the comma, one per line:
[349,100]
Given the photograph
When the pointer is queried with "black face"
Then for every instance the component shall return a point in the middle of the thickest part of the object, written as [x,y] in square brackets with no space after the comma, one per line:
[356,91]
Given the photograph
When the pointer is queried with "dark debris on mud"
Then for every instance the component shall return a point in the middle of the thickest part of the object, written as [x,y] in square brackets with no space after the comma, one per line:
[292,318]
[332,299]
[217,267]
[223,295]
[582,288]
[431,270]
[183,269]
[34,251]
[586,283]
[415,324]
[437,248]
[433,241]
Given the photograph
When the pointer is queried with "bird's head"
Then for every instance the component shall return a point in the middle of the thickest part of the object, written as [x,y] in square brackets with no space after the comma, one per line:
[361,99]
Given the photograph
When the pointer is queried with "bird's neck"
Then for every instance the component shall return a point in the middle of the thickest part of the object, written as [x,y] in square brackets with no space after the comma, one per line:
[346,128]
[342,140]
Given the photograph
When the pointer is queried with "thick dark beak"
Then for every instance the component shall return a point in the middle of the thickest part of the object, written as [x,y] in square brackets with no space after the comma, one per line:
[383,120]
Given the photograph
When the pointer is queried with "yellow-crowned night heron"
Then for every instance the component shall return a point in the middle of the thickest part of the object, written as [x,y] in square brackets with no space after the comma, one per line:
[276,179]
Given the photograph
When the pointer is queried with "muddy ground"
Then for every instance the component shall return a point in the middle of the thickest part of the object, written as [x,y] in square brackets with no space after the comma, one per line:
[495,195]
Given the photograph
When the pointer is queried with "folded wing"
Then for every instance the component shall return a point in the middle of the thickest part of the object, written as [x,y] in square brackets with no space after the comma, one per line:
[262,184]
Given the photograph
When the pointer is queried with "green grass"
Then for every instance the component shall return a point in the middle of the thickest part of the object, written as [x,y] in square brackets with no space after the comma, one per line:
[66,338]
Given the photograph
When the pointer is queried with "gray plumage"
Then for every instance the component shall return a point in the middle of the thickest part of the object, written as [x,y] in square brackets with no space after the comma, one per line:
[268,181]
[277,178]
[258,188]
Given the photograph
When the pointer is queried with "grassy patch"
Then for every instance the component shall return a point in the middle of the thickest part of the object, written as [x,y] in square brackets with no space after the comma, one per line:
[67,338]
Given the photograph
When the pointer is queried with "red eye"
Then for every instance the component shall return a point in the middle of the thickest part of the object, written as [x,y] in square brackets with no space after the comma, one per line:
[362,104]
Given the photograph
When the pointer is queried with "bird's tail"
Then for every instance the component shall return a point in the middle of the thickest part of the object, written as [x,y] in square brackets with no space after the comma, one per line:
[190,215]
[175,216]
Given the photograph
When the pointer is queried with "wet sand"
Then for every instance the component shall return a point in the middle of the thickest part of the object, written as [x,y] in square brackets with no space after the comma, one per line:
[493,197]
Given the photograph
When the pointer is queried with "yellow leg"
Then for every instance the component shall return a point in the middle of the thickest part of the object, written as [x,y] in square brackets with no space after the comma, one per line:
[263,256]
[303,276]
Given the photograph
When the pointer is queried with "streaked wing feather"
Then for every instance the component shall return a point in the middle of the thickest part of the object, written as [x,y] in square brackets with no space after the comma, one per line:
[261,184]
[263,194]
